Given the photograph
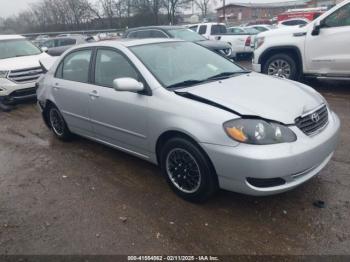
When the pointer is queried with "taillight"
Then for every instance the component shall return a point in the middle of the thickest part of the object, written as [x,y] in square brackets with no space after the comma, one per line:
[248,41]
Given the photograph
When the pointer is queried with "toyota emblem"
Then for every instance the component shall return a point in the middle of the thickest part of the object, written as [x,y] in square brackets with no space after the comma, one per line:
[315,117]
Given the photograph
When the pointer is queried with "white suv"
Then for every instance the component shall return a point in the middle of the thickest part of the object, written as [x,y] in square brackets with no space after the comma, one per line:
[319,49]
[19,69]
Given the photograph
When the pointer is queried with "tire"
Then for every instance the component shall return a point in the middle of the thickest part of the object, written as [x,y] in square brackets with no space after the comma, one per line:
[284,62]
[188,170]
[58,124]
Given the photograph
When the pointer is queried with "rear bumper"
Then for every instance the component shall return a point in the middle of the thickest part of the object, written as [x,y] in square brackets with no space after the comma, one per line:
[293,163]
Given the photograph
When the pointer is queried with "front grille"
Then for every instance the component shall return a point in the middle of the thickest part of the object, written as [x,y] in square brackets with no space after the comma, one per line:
[266,182]
[23,92]
[314,122]
[25,75]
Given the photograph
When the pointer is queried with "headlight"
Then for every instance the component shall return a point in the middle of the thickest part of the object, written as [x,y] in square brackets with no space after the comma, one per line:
[258,132]
[3,74]
[259,42]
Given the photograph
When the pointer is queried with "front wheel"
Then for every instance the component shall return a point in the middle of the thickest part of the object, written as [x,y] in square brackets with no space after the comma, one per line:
[281,65]
[188,170]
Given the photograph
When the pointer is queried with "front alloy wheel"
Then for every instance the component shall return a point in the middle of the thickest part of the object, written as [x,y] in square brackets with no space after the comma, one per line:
[281,65]
[183,170]
[188,170]
[280,68]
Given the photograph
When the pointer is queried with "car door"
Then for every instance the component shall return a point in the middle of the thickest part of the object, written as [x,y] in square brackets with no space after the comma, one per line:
[329,51]
[118,118]
[71,89]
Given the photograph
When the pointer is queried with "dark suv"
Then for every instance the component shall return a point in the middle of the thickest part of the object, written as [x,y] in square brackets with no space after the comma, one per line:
[182,33]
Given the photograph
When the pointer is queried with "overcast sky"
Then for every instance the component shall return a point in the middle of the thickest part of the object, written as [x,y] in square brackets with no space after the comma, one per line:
[10,7]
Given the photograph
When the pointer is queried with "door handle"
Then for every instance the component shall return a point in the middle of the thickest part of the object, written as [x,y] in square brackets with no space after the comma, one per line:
[56,86]
[94,94]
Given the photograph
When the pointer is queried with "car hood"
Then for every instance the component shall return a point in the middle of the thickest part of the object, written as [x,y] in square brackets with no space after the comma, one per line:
[287,30]
[217,45]
[258,95]
[23,62]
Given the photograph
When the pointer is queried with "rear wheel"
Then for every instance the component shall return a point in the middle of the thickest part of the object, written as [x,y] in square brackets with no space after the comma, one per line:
[188,170]
[57,124]
[281,65]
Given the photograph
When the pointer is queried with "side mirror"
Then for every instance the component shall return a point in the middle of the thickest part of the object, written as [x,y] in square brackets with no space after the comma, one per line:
[127,84]
[44,49]
[317,28]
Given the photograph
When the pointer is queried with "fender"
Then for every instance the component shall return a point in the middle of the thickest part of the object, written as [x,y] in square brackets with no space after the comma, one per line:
[282,48]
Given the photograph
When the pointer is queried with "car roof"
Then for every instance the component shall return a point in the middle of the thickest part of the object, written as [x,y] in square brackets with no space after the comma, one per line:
[69,37]
[296,19]
[159,27]
[11,37]
[126,42]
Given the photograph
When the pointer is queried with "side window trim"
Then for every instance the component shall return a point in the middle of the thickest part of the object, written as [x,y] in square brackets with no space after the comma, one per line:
[147,91]
[71,52]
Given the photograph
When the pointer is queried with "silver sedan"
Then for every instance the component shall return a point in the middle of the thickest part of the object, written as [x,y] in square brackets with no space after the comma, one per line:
[207,122]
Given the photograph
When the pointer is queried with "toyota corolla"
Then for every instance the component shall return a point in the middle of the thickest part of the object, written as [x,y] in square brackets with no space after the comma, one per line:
[207,122]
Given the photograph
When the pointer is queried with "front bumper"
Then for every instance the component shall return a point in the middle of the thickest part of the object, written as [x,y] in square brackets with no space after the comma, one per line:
[256,67]
[12,93]
[295,163]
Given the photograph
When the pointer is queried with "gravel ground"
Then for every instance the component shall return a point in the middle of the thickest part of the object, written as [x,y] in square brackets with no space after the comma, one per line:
[84,198]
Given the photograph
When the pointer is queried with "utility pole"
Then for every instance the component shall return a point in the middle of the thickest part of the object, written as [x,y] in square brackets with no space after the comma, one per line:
[223,10]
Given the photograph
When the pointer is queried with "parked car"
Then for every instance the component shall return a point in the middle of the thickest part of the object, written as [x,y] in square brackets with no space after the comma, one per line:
[19,69]
[262,28]
[245,30]
[58,45]
[180,33]
[207,122]
[40,39]
[293,22]
[241,42]
[319,49]
[242,30]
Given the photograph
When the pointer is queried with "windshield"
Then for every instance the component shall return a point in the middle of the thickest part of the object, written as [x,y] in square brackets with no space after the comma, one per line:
[17,48]
[186,35]
[183,62]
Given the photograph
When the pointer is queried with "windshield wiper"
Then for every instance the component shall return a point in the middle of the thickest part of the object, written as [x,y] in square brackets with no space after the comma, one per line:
[226,75]
[186,83]
[22,55]
[220,76]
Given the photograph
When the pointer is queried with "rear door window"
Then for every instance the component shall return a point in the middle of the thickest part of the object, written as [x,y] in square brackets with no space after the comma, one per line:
[75,66]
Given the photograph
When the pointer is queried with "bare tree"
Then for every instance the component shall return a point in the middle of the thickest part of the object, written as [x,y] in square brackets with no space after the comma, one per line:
[172,7]
[203,5]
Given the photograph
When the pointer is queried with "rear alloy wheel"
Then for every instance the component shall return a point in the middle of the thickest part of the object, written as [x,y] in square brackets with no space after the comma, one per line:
[281,65]
[58,125]
[188,170]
